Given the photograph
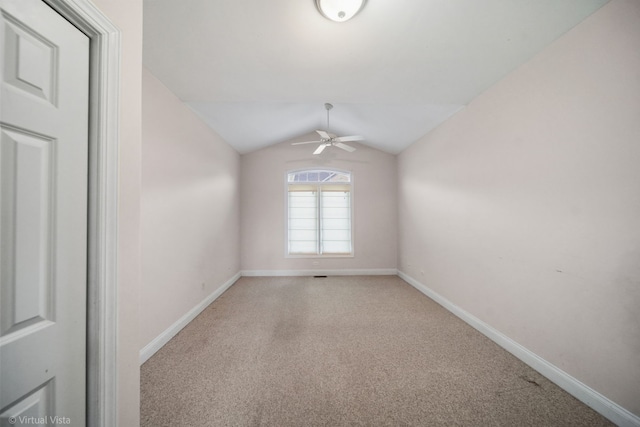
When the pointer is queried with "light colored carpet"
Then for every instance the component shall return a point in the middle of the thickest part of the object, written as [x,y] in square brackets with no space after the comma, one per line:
[343,351]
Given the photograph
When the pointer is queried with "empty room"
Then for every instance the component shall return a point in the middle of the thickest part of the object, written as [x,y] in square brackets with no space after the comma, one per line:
[321,212]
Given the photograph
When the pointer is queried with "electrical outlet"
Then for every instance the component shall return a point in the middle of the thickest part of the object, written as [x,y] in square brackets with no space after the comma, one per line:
[202,286]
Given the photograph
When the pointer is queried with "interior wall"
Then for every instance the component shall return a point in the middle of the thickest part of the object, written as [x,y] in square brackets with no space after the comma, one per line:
[190,210]
[263,206]
[127,16]
[523,208]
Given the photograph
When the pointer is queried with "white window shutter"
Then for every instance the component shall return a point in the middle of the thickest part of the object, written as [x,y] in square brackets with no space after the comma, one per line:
[303,222]
[335,222]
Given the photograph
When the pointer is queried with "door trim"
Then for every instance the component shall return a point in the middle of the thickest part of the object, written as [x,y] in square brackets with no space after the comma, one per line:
[104,86]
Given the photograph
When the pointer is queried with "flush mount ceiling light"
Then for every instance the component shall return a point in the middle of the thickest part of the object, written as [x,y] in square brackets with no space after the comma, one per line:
[339,10]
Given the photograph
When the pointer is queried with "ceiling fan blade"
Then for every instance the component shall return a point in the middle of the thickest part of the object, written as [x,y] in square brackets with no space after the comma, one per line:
[305,142]
[323,134]
[344,147]
[349,138]
[320,149]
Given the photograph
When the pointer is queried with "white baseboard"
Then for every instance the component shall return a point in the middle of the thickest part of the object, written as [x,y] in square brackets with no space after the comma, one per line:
[607,408]
[155,345]
[345,272]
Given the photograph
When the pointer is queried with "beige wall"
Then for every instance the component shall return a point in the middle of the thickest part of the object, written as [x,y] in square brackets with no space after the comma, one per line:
[190,210]
[263,206]
[524,208]
[127,16]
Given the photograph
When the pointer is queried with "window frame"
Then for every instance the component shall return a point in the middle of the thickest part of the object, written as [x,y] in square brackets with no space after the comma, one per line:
[319,185]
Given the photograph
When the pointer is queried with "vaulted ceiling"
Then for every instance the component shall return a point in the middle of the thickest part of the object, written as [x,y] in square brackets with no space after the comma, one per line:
[259,72]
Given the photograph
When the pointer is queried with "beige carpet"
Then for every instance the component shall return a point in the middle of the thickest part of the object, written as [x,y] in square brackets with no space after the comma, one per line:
[343,351]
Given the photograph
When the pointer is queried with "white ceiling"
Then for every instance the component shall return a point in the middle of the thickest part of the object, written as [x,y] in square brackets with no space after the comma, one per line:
[259,72]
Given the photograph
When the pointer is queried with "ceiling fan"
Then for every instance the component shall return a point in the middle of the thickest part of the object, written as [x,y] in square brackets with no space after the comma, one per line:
[330,140]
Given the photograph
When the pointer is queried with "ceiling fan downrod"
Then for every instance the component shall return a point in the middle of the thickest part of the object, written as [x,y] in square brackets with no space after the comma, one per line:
[328,107]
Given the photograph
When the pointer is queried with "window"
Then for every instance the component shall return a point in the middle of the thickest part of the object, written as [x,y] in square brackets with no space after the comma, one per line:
[319,213]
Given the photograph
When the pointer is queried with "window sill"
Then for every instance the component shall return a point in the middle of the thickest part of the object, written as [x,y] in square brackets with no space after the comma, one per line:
[316,256]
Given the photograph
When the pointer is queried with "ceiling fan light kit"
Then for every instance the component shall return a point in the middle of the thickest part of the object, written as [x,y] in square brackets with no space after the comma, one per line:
[339,10]
[330,140]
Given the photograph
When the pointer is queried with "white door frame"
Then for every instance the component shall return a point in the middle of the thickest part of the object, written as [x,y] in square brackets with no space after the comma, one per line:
[104,78]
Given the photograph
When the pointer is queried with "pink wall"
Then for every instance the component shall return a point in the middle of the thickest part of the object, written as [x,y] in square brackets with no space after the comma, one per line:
[523,209]
[127,16]
[190,210]
[264,209]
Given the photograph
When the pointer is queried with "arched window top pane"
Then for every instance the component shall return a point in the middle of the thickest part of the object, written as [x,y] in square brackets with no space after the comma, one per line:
[319,176]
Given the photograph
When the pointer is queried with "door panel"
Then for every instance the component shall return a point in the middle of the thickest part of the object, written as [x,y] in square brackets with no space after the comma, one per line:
[35,65]
[27,166]
[44,111]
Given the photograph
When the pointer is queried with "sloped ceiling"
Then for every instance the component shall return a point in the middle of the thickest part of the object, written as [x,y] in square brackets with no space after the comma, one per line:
[259,72]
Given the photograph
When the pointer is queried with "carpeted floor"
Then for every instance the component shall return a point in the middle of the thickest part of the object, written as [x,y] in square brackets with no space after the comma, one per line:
[343,351]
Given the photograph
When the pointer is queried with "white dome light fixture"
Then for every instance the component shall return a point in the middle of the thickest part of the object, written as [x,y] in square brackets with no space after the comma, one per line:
[339,10]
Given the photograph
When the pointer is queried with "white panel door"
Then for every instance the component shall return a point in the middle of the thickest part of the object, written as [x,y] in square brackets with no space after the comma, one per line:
[44,111]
